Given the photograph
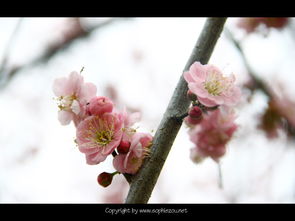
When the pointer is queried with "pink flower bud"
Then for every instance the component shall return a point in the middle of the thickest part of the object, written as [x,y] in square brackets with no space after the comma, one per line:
[195,112]
[192,121]
[191,96]
[124,146]
[105,179]
[99,105]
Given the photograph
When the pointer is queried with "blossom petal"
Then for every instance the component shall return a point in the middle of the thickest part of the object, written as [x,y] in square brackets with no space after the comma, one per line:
[65,117]
[95,158]
[188,77]
[88,91]
[75,107]
[207,102]
[118,163]
[58,86]
[234,97]
[198,89]
[74,82]
[198,70]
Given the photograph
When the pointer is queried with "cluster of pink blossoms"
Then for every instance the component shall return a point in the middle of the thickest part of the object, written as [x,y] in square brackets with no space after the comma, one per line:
[211,117]
[101,130]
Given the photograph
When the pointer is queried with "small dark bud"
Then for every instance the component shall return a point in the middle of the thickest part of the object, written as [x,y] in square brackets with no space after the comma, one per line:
[124,146]
[105,179]
[195,112]
[192,121]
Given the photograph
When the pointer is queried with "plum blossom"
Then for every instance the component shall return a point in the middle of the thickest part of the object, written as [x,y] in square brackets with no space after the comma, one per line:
[210,86]
[139,149]
[212,134]
[129,120]
[72,96]
[98,136]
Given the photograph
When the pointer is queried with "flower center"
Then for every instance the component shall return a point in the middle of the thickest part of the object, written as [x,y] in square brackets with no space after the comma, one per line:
[215,83]
[103,137]
[65,102]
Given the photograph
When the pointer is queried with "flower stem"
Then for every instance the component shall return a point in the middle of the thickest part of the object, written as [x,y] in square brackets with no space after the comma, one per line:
[220,180]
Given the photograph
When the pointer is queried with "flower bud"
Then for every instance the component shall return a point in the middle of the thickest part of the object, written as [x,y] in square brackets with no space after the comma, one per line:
[105,179]
[191,96]
[195,112]
[192,121]
[124,146]
[99,105]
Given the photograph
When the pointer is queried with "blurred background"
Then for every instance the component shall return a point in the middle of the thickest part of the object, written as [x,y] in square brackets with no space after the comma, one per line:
[137,62]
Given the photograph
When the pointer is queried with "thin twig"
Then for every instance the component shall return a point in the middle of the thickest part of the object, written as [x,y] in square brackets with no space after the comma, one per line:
[258,83]
[49,53]
[144,181]
[220,179]
[8,46]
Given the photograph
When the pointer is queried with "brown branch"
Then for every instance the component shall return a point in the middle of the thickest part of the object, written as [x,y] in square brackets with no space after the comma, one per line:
[144,181]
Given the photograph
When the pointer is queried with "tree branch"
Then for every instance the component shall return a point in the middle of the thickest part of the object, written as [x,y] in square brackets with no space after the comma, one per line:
[143,182]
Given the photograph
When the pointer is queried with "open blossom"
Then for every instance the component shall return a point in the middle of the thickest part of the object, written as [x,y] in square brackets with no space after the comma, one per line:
[212,134]
[210,86]
[98,136]
[131,161]
[72,96]
[129,120]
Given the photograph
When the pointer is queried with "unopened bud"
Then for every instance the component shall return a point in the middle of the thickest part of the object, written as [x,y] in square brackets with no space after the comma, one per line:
[191,96]
[192,121]
[105,179]
[124,146]
[195,112]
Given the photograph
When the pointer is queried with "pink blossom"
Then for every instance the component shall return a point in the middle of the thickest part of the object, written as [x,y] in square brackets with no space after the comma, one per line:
[99,105]
[212,134]
[139,148]
[98,136]
[72,95]
[129,120]
[210,86]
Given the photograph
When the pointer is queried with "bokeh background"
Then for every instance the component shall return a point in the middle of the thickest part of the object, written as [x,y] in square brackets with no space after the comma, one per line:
[137,62]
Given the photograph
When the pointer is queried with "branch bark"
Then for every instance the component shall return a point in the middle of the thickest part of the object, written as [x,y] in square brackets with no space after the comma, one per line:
[143,182]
